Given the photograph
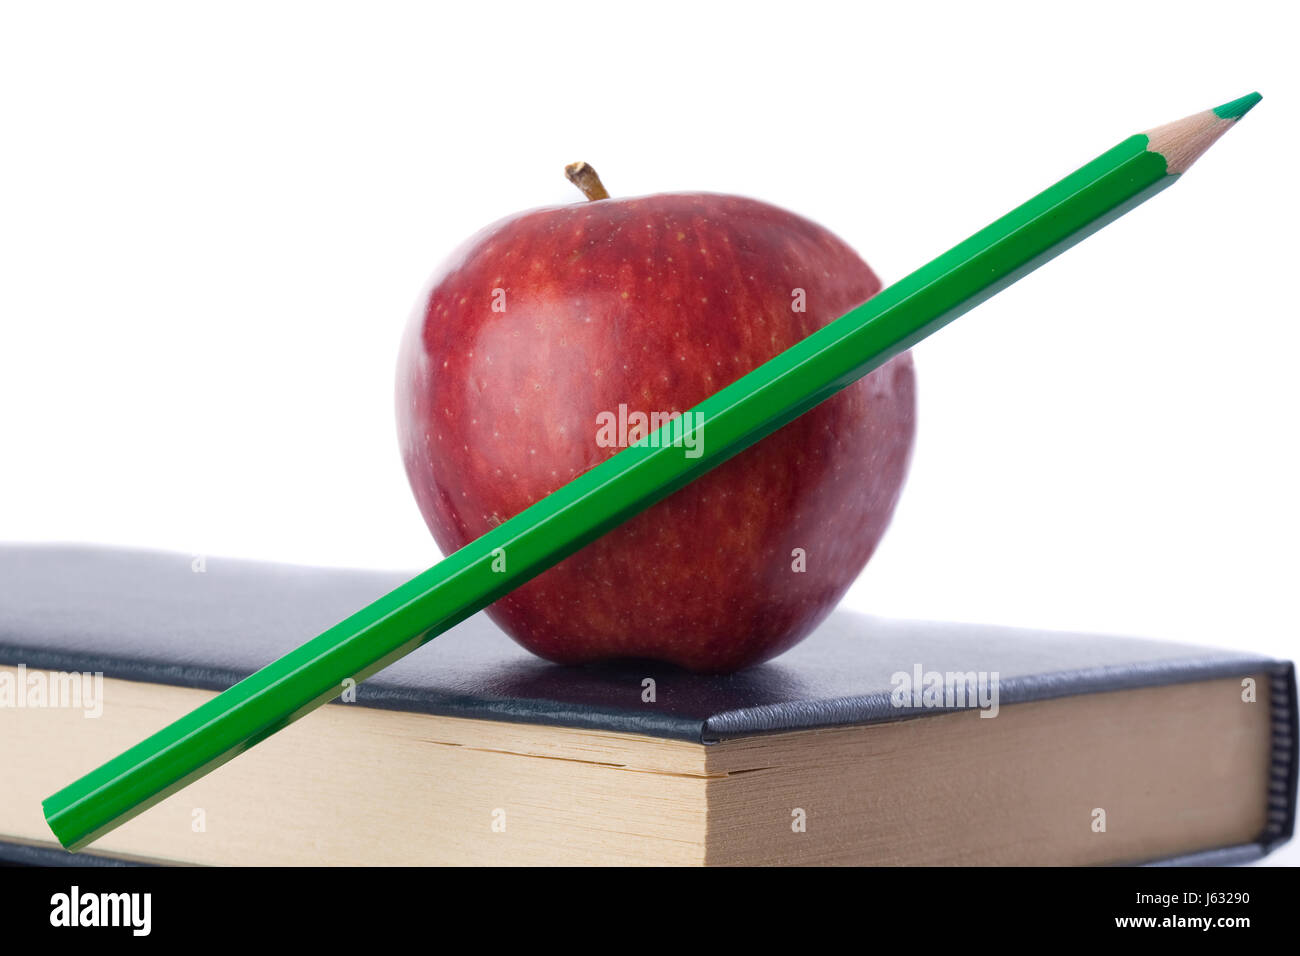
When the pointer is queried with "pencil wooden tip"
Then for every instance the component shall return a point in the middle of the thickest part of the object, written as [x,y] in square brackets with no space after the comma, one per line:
[1236,109]
[1183,141]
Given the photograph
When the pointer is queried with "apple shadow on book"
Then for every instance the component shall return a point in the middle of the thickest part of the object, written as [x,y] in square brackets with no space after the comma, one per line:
[648,684]
[475,670]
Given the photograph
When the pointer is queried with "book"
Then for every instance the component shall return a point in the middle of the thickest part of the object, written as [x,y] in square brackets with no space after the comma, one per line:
[872,742]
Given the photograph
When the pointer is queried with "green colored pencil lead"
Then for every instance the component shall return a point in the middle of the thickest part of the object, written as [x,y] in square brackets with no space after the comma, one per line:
[1236,109]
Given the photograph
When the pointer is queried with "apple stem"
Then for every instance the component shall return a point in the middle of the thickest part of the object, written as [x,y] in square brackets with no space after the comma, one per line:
[585,178]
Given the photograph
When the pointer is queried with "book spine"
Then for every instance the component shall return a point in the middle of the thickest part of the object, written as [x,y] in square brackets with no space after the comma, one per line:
[1280,824]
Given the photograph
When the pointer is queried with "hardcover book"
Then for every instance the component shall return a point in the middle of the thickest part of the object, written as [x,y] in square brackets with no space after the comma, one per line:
[873,742]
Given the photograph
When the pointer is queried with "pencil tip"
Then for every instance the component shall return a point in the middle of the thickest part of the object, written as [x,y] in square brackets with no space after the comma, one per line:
[1236,109]
[1183,141]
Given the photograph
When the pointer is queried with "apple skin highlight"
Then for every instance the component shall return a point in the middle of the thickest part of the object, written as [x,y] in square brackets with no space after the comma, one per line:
[544,324]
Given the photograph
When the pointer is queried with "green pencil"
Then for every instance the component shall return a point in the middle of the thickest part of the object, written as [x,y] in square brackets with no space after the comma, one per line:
[737,416]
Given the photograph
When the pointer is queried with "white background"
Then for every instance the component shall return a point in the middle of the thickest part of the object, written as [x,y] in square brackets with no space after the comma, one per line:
[214,220]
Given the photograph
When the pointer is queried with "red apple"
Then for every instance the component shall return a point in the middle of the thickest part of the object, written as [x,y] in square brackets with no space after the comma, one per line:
[541,326]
